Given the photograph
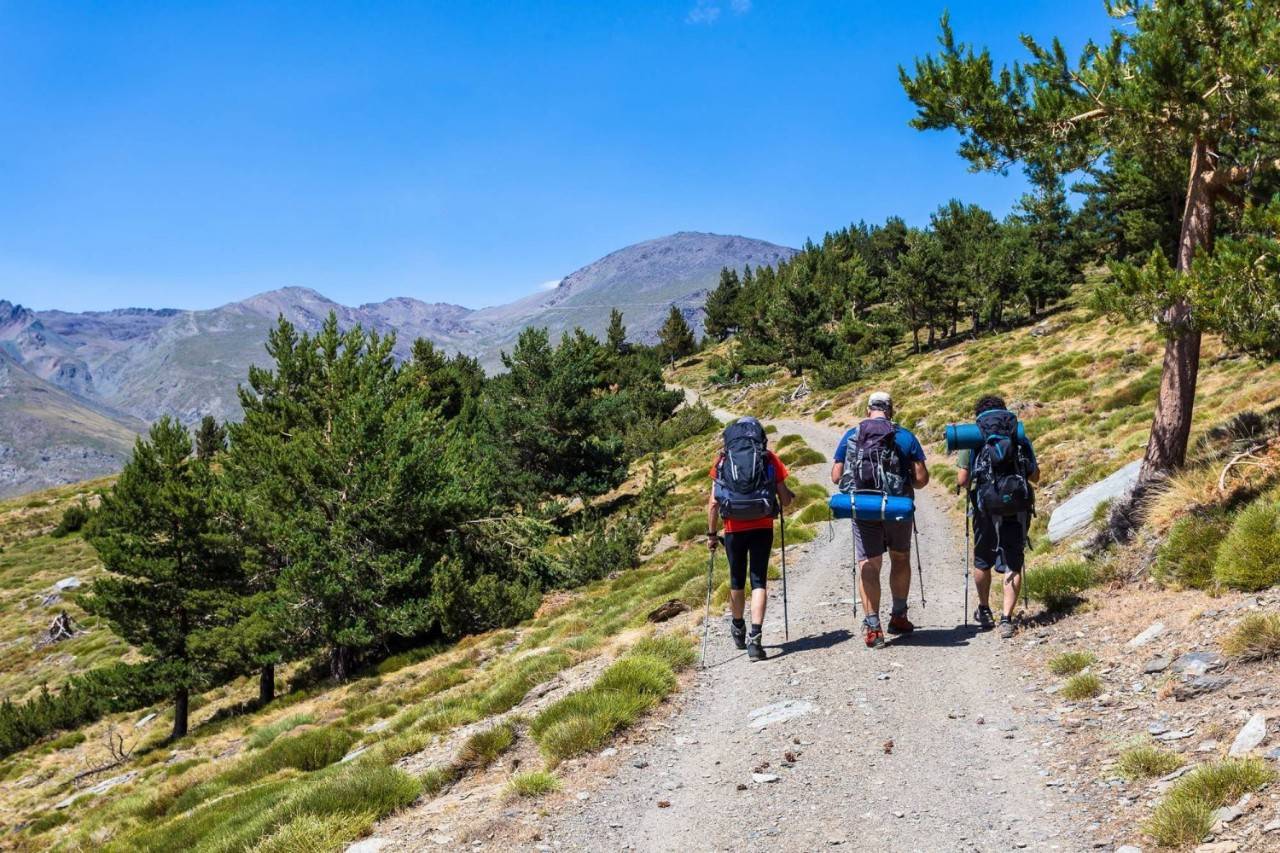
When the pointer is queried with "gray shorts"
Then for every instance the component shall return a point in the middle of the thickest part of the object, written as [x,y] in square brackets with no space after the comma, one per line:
[873,538]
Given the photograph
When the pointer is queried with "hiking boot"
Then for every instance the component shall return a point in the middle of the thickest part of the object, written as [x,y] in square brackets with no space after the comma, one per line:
[739,636]
[874,636]
[985,619]
[900,624]
[1006,628]
[755,648]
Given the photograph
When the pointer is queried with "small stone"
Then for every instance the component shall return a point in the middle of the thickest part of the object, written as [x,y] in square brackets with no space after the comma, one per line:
[1274,826]
[370,845]
[1218,847]
[148,718]
[609,753]
[1199,686]
[1159,663]
[640,765]
[1208,746]
[742,786]
[1178,734]
[1153,631]
[583,796]
[664,804]
[764,778]
[65,584]
[1157,729]
[1251,735]
[1198,663]
[1128,848]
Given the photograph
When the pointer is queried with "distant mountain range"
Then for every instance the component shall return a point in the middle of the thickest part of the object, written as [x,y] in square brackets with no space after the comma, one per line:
[75,389]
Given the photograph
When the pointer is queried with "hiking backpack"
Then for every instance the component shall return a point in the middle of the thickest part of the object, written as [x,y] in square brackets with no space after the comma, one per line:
[746,488]
[873,462]
[1000,467]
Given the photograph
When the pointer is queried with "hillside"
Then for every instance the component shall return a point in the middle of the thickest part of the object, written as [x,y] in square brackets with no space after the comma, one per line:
[49,436]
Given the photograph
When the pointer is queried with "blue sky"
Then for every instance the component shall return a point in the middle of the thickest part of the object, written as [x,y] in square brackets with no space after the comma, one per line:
[189,154]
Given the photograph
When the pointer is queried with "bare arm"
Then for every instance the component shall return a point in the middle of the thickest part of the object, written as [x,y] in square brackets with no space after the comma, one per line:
[919,475]
[837,471]
[713,520]
[785,495]
[962,477]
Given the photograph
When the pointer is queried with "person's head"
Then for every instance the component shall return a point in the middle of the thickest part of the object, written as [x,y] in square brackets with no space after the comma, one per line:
[988,403]
[880,405]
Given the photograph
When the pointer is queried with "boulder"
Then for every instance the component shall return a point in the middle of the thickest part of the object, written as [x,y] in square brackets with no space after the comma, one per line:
[1194,664]
[1075,514]
[1199,686]
[1249,737]
[1155,629]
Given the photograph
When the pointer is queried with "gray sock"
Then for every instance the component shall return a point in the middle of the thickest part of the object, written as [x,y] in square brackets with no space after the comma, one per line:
[899,607]
[872,620]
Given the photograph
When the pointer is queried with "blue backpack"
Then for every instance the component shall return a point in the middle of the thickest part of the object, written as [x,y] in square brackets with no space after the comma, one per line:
[1000,467]
[746,487]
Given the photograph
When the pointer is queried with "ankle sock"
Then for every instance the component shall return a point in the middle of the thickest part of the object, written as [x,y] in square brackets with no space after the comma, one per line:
[755,629]
[739,624]
[872,620]
[899,607]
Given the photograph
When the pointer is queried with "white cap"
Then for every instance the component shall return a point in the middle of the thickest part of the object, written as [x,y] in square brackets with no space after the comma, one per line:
[880,400]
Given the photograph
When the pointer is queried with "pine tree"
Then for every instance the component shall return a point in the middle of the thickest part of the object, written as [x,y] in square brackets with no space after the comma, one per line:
[675,338]
[797,321]
[211,438]
[722,306]
[1180,76]
[172,568]
[616,335]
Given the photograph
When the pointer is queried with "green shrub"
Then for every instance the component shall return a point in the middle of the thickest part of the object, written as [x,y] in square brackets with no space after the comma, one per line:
[807,493]
[263,737]
[1187,555]
[1084,685]
[1147,761]
[437,779]
[677,650]
[599,549]
[1069,663]
[484,747]
[535,784]
[641,674]
[787,441]
[821,416]
[1249,557]
[1059,586]
[308,833]
[74,518]
[1257,637]
[797,535]
[1185,815]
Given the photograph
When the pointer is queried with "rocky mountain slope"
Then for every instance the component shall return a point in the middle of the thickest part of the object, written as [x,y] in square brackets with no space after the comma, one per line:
[128,366]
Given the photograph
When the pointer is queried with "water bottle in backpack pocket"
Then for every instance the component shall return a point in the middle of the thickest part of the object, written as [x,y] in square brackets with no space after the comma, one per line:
[746,486]
[1000,467]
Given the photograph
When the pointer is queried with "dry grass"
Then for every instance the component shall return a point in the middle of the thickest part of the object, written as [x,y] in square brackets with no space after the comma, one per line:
[1084,685]
[1256,637]
[1185,815]
[537,783]
[1147,761]
[1069,663]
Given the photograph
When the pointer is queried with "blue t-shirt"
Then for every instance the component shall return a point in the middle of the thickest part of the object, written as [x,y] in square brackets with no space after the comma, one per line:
[908,448]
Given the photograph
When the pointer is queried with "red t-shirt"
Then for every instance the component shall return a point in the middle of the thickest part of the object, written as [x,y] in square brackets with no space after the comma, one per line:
[780,473]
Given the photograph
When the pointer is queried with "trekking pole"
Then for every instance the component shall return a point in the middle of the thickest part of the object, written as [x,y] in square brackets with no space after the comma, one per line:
[919,567]
[706,623]
[786,624]
[967,518]
[857,578]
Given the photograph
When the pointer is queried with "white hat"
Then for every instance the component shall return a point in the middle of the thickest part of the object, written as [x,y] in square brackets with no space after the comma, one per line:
[880,400]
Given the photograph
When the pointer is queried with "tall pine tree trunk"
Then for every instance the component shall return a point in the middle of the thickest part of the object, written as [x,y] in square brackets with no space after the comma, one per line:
[181,704]
[267,684]
[341,663]
[1171,426]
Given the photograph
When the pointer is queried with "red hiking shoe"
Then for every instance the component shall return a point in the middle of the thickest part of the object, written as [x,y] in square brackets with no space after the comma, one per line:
[900,624]
[874,636]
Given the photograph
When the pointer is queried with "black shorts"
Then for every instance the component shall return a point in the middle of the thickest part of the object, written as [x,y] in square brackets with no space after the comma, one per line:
[999,542]
[749,547]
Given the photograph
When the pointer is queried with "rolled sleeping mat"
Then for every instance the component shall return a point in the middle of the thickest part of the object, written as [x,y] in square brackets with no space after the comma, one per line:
[872,506]
[969,437]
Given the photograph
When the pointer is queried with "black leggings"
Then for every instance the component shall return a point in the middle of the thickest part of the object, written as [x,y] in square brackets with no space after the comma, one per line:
[749,546]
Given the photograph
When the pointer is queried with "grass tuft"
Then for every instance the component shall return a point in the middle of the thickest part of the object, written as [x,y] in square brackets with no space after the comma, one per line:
[1249,558]
[801,456]
[1257,637]
[677,650]
[1187,555]
[538,783]
[1185,815]
[1147,761]
[262,738]
[1084,685]
[484,747]
[1058,586]
[1069,663]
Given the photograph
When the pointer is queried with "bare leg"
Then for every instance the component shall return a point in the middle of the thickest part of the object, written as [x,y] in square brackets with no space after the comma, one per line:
[737,601]
[1012,586]
[982,580]
[759,598]
[900,573]
[869,584]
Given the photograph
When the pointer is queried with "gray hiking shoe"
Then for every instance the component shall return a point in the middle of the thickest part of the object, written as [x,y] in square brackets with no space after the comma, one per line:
[1006,628]
[755,648]
[739,635]
[983,616]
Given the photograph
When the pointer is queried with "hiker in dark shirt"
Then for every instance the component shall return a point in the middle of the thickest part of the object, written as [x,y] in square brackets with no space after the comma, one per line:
[1000,541]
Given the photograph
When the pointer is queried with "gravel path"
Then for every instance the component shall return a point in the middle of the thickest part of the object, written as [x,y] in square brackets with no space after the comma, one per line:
[918,746]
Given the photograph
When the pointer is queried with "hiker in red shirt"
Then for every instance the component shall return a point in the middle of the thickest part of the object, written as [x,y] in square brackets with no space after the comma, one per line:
[748,493]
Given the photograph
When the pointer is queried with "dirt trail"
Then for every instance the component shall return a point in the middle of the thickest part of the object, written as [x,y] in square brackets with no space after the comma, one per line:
[961,773]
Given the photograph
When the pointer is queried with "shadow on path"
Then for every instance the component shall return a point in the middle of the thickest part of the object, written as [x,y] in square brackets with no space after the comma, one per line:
[813,643]
[937,637]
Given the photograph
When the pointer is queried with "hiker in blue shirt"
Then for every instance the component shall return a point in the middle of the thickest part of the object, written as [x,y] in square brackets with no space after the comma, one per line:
[1000,540]
[885,457]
